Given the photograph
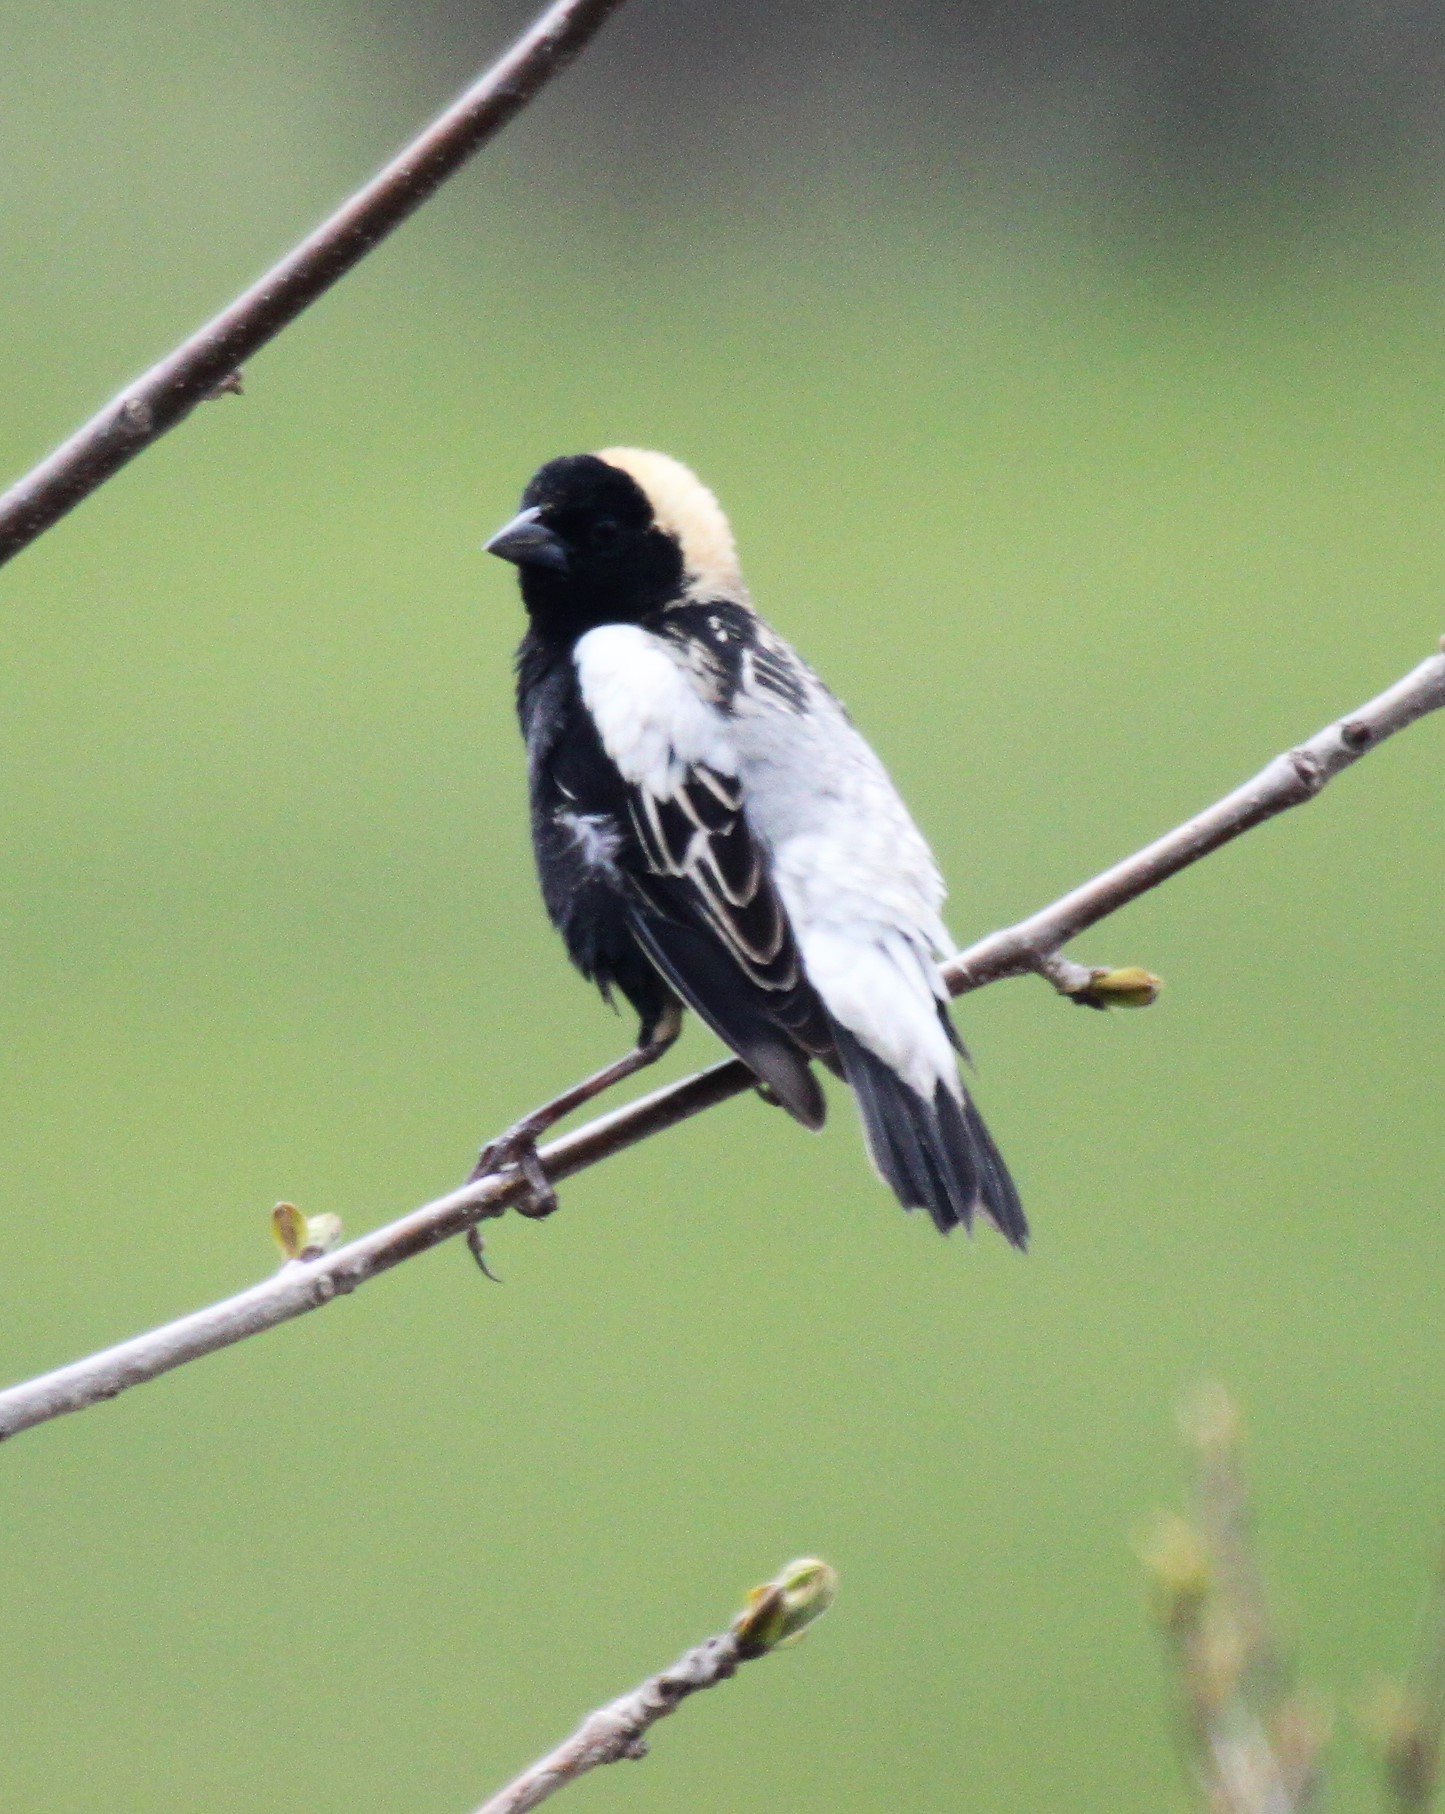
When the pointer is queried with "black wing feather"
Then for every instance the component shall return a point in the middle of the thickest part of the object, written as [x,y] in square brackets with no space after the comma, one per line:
[699,968]
[707,913]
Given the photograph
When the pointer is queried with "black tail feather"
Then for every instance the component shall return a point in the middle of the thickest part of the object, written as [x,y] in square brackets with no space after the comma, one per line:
[935,1155]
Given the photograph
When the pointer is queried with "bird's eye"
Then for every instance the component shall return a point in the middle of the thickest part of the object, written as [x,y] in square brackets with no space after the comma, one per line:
[605,534]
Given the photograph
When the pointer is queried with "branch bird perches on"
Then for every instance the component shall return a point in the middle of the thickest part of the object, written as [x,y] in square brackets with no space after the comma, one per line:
[1034,945]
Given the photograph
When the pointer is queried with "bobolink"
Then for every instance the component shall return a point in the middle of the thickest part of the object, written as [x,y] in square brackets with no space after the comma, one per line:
[710,829]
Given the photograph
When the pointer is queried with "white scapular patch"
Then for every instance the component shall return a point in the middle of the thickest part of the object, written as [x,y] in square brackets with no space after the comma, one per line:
[596,836]
[653,722]
[685,509]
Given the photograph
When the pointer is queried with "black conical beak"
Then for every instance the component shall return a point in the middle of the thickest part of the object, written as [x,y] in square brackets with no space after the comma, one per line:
[527,542]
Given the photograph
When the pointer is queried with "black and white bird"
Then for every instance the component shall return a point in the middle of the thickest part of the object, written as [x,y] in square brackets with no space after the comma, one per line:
[711,831]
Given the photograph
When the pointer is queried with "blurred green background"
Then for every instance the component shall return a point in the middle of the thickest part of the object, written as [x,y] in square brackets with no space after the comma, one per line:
[1089,489]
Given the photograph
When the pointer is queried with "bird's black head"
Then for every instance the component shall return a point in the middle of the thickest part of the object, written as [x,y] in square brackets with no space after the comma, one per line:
[613,537]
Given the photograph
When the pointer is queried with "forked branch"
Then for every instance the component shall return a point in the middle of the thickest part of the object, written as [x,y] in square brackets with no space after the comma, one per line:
[207,363]
[1033,944]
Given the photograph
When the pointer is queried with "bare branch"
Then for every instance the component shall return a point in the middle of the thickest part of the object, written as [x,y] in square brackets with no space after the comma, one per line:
[207,364]
[1032,945]
[615,1731]
[775,1613]
[1290,780]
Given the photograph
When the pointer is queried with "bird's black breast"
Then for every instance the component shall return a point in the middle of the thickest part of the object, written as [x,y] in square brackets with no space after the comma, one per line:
[582,833]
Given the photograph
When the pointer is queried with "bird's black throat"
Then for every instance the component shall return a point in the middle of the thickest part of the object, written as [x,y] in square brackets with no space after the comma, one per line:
[565,606]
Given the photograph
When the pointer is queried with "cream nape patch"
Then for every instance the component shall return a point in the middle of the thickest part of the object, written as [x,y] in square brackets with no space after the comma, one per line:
[685,509]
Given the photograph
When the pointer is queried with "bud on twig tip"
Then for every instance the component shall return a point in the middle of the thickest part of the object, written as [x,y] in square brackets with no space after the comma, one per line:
[1209,1420]
[1128,987]
[781,1610]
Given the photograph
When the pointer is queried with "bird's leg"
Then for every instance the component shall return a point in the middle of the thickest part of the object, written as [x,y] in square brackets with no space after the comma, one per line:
[518,1146]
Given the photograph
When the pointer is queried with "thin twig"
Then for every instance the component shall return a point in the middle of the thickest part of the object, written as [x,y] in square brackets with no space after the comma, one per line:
[207,364]
[1290,780]
[616,1731]
[1030,946]
[776,1613]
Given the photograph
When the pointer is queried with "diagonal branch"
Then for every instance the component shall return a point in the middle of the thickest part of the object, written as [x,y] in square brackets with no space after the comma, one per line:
[615,1732]
[776,1613]
[1032,945]
[1290,780]
[143,411]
